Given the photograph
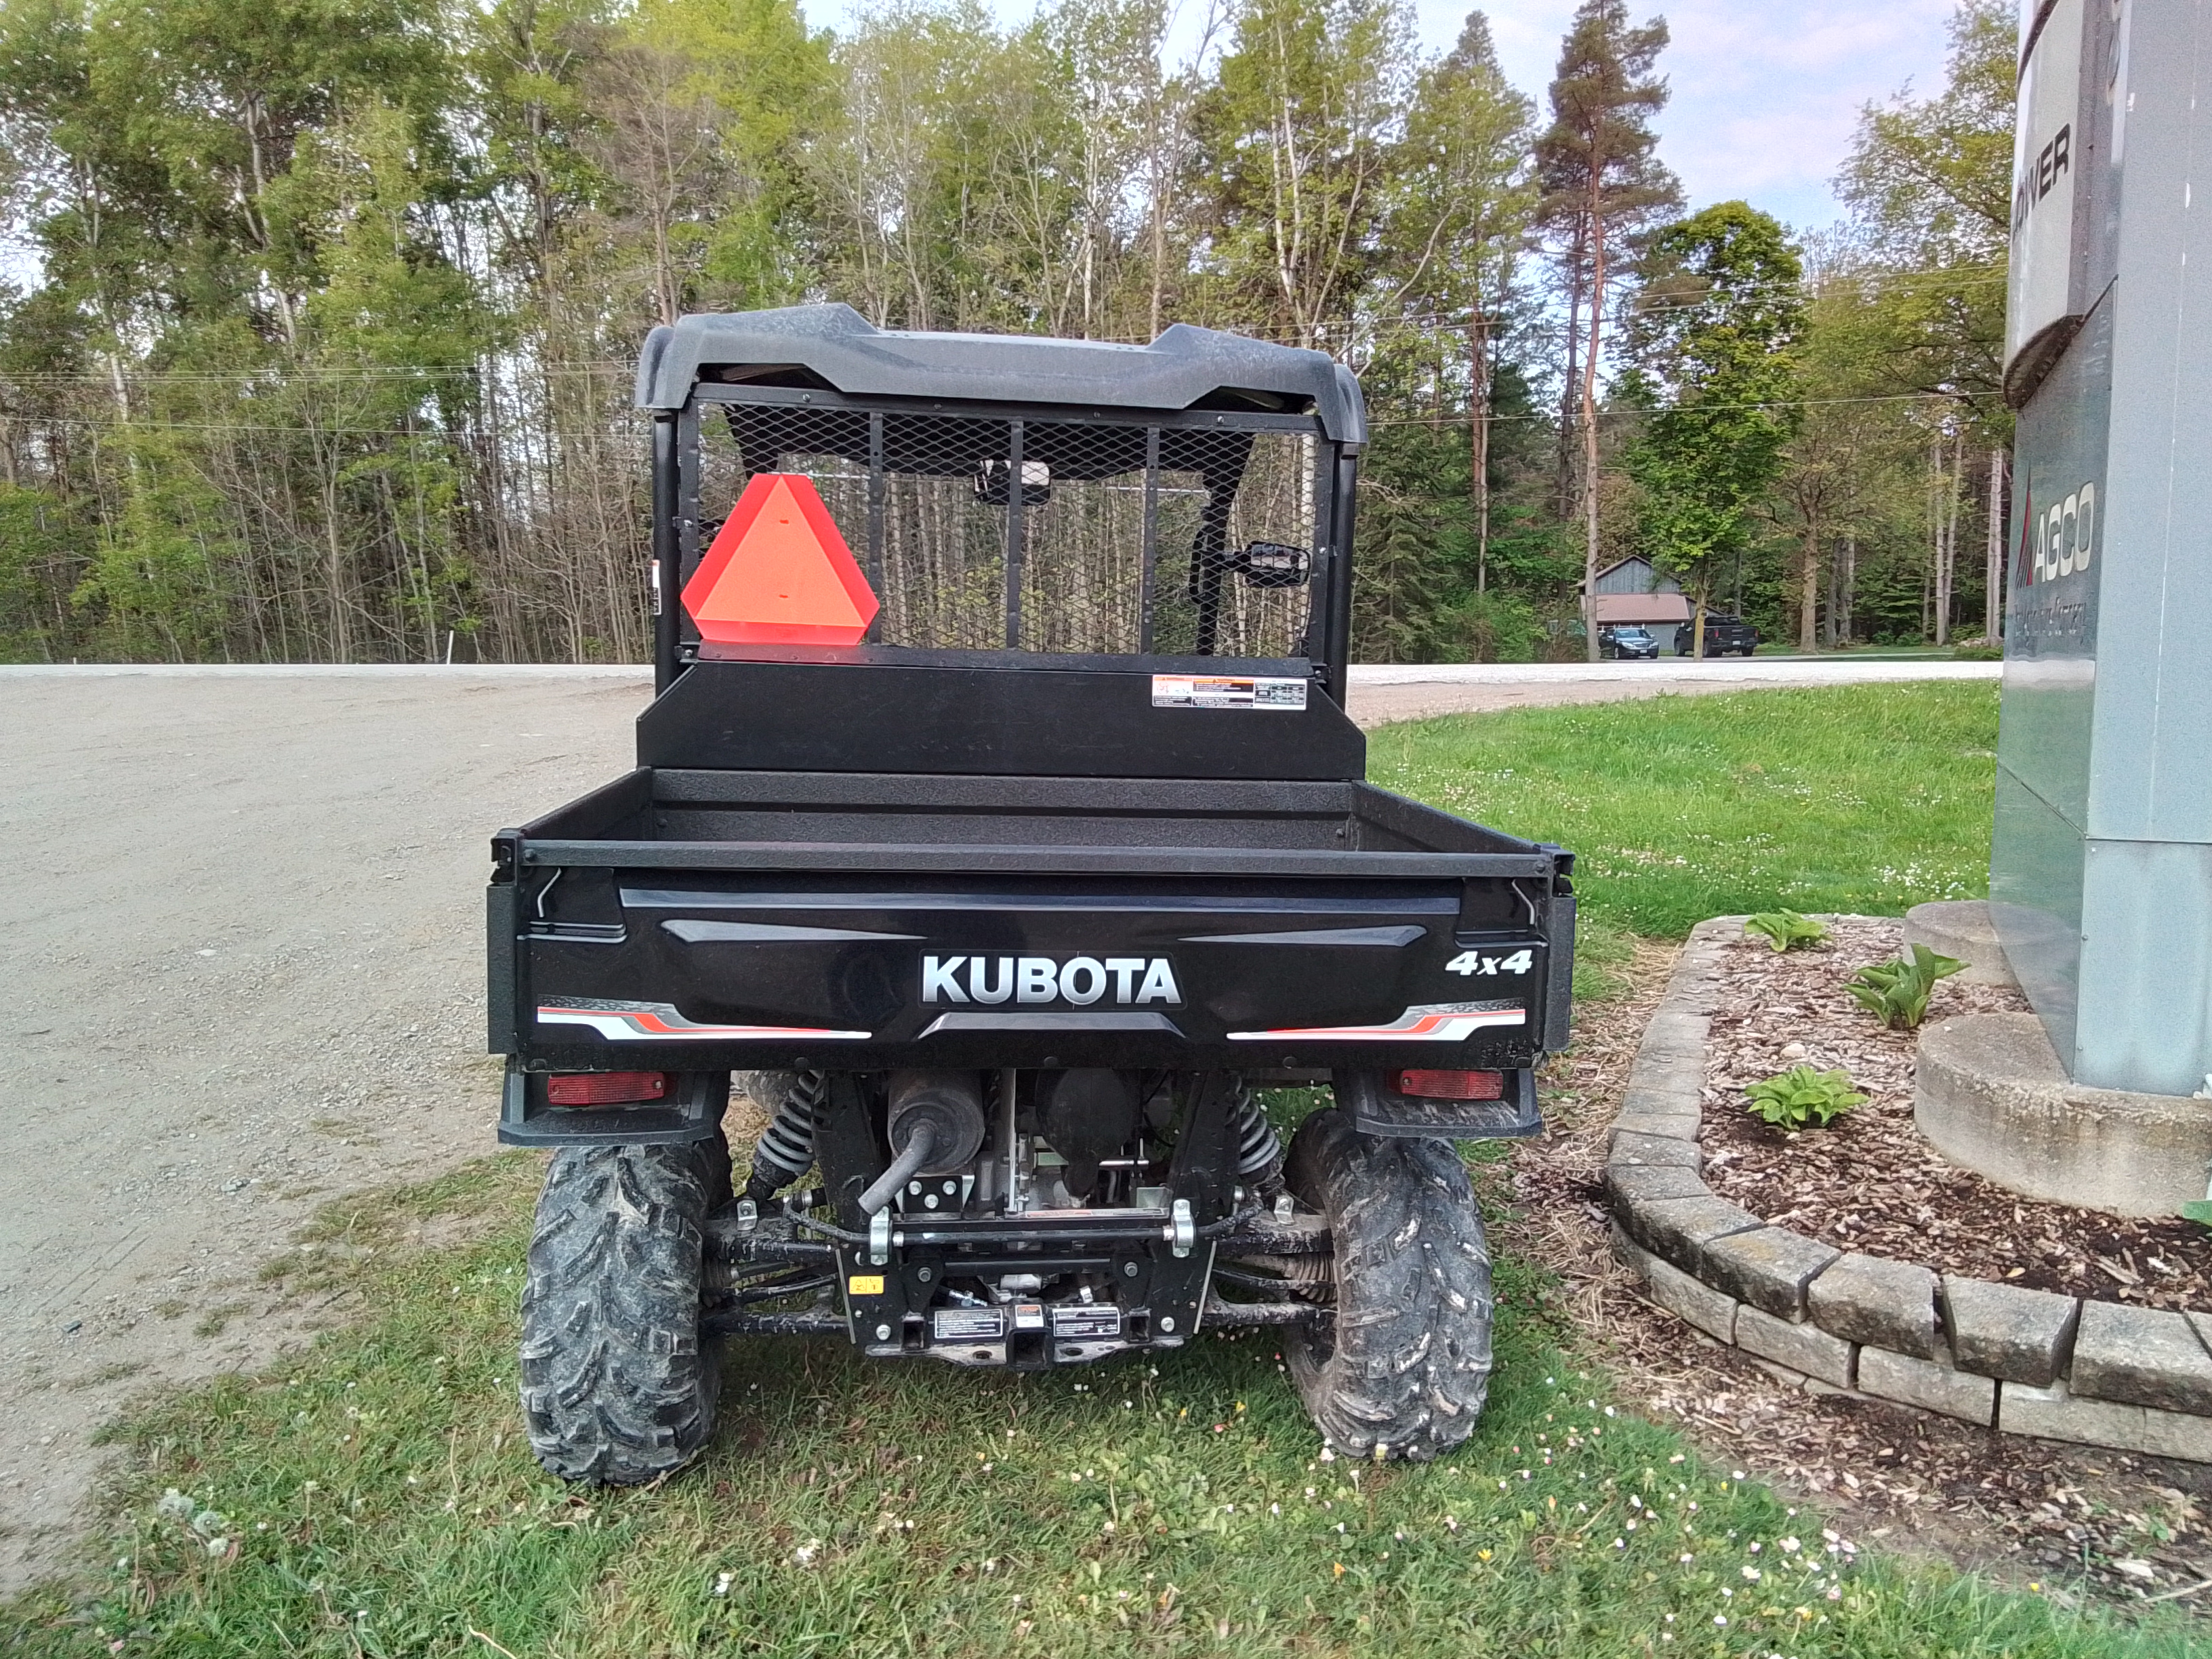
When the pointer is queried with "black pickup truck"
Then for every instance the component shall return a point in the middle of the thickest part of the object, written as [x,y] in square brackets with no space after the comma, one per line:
[998,824]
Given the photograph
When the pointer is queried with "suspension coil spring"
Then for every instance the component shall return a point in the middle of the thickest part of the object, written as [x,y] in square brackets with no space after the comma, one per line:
[1259,1153]
[785,1150]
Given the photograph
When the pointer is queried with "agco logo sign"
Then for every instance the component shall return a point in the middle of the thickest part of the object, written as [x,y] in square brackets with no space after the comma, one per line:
[1133,982]
[2059,540]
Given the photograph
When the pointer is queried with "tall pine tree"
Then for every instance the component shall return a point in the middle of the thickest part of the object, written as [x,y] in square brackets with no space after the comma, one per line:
[1601,182]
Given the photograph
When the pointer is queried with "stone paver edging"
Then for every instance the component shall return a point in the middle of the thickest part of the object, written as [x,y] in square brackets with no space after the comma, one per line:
[2024,1362]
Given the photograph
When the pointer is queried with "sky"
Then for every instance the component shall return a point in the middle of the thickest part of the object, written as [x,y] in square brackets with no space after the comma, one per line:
[1766,93]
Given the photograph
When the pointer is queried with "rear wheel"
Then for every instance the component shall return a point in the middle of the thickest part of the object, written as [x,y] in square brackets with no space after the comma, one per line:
[617,1387]
[1403,1368]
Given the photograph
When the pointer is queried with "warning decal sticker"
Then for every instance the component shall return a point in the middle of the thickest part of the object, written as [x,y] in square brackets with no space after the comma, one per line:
[1225,691]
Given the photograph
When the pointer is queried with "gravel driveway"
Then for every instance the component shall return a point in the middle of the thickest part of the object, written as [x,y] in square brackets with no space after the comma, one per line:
[241,961]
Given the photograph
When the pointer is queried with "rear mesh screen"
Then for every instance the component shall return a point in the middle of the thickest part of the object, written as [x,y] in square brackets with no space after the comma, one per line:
[1045,535]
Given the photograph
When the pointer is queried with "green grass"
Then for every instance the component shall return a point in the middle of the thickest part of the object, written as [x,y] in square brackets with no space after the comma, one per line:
[381,1501]
[1869,799]
[381,1504]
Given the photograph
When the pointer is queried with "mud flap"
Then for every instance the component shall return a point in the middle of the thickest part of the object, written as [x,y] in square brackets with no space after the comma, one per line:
[1379,1109]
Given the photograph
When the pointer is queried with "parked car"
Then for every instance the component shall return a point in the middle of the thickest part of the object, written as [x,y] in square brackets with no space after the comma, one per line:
[1725,636]
[1632,643]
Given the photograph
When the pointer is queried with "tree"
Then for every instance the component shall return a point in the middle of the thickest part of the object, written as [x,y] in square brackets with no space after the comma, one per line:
[700,105]
[1464,203]
[1713,332]
[1297,133]
[1600,182]
[1929,188]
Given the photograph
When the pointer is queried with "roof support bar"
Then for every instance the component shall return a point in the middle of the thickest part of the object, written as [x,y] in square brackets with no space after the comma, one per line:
[1014,527]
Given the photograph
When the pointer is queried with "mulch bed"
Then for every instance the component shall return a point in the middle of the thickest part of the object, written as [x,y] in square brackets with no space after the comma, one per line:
[1868,1181]
[2068,1520]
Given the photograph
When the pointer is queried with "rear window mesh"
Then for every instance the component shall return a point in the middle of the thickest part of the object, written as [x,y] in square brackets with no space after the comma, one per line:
[981,534]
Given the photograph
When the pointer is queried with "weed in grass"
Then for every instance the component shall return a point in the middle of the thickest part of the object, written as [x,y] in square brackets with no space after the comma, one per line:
[1867,799]
[212,1323]
[376,1497]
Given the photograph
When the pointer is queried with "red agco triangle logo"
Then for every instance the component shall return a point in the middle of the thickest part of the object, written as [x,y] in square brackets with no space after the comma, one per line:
[778,572]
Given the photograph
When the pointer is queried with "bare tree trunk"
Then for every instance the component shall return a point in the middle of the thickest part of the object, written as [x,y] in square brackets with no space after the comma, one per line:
[1564,492]
[1834,620]
[1478,329]
[1847,588]
[1589,421]
[1993,554]
[1946,567]
[1935,534]
[1809,591]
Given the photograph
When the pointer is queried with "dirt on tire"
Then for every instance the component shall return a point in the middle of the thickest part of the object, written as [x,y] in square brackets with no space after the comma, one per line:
[617,1387]
[1403,1369]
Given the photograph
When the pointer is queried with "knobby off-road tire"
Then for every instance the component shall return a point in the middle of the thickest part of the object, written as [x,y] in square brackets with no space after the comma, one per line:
[617,1386]
[1403,1368]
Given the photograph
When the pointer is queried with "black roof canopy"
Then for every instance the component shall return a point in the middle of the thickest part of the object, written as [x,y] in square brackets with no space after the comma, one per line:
[1185,367]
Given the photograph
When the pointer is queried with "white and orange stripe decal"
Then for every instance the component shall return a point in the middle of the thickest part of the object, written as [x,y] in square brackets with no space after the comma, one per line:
[659,1022]
[1433,1022]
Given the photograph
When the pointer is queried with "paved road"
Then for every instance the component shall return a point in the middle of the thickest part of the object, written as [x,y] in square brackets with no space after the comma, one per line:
[239,967]
[1381,695]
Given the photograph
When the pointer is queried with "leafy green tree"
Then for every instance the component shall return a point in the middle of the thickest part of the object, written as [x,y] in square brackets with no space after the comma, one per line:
[36,534]
[1297,135]
[392,317]
[523,63]
[155,584]
[1715,322]
[1929,188]
[1464,203]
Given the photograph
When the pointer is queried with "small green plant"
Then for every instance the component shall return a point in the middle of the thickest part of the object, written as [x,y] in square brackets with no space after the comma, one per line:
[1785,930]
[1896,992]
[1802,1098]
[2198,1209]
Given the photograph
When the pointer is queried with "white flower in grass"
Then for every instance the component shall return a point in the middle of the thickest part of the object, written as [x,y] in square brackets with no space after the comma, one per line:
[174,1505]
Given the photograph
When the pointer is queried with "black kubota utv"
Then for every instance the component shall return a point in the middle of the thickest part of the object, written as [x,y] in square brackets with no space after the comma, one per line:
[998,826]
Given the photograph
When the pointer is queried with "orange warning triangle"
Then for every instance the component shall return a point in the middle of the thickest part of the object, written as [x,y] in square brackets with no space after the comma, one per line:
[778,572]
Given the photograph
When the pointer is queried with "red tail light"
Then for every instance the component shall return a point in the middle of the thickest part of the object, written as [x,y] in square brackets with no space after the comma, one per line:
[605,1088]
[1453,1086]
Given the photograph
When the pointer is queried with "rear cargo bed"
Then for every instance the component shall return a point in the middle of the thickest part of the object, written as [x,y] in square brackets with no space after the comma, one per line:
[687,918]
[666,815]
